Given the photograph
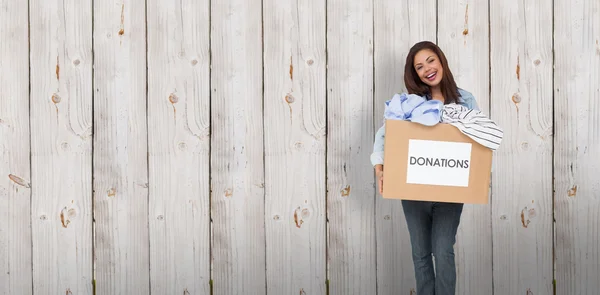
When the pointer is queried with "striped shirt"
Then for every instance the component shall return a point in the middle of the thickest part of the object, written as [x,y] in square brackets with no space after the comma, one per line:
[474,124]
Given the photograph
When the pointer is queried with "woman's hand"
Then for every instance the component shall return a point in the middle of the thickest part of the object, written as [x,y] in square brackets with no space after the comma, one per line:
[379,175]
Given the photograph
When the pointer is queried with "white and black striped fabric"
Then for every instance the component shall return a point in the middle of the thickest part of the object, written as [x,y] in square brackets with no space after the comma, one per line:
[473,124]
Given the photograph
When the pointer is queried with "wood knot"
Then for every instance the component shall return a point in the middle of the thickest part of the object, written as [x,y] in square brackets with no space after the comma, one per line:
[537,62]
[160,217]
[76,62]
[121,32]
[524,220]
[573,191]
[516,98]
[345,191]
[289,98]
[276,217]
[18,180]
[298,218]
[194,62]
[64,218]
[310,62]
[228,193]
[173,98]
[55,98]
[387,217]
[465,32]
[111,192]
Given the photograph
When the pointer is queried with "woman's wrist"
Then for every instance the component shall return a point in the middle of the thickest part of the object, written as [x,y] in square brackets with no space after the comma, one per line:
[378,168]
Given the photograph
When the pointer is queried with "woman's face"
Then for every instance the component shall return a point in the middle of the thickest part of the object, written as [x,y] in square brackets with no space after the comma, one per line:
[429,68]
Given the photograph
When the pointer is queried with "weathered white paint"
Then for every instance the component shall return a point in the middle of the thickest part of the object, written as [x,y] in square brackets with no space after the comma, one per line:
[15,175]
[367,246]
[395,32]
[294,118]
[237,149]
[521,100]
[350,183]
[577,146]
[178,144]
[463,36]
[120,149]
[61,145]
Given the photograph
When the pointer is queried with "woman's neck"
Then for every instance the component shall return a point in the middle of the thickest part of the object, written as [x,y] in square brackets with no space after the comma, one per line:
[436,93]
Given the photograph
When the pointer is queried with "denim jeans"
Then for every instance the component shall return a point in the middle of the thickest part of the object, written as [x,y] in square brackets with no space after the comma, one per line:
[432,227]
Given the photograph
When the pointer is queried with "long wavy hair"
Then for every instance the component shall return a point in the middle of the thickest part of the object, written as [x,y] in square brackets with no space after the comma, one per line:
[413,83]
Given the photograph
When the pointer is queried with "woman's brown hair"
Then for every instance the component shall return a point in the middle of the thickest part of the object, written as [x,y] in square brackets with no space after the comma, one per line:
[413,83]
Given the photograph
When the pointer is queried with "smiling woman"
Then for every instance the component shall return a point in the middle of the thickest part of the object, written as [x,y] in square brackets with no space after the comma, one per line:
[432,226]
[426,73]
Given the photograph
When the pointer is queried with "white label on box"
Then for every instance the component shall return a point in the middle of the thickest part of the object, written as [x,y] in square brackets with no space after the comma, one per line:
[438,162]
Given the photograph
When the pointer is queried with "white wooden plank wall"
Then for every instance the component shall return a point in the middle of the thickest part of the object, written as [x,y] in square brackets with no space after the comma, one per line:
[121,245]
[61,145]
[178,144]
[350,182]
[577,146]
[15,175]
[463,36]
[521,72]
[231,142]
[395,32]
[294,124]
[237,148]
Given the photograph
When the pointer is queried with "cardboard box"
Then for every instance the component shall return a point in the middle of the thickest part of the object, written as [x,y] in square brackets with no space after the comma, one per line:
[434,163]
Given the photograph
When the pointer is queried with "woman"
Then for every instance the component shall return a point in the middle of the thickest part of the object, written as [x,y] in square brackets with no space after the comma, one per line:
[432,225]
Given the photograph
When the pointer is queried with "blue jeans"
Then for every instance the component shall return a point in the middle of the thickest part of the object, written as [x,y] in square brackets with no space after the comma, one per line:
[432,227]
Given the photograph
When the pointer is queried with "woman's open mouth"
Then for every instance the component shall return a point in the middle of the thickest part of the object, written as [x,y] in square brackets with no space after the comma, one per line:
[431,76]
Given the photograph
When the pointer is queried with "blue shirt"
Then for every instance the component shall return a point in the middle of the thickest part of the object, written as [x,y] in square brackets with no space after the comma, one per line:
[466,99]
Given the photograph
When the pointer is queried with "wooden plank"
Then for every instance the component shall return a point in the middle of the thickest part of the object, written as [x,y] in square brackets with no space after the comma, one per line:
[178,144]
[395,33]
[120,149]
[577,145]
[294,116]
[61,150]
[463,36]
[15,173]
[237,167]
[350,183]
[521,87]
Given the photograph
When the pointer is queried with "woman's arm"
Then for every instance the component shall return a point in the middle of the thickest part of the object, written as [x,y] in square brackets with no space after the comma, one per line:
[469,100]
[377,156]
[473,104]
